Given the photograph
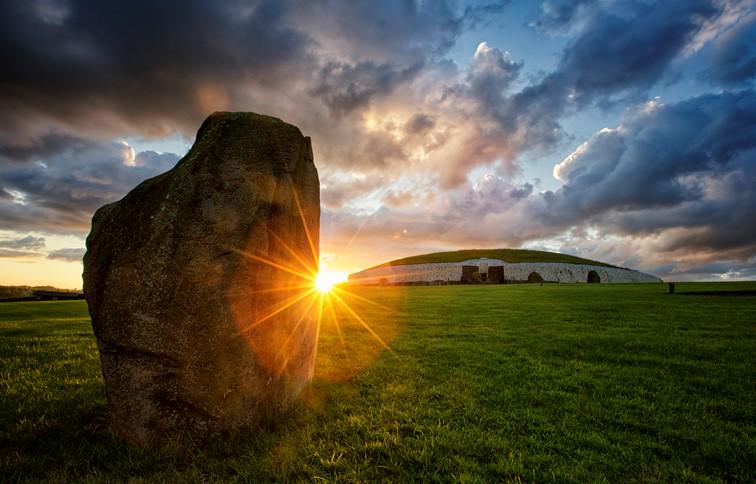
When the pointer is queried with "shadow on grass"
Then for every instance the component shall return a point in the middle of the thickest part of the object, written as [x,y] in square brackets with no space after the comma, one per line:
[81,445]
[718,293]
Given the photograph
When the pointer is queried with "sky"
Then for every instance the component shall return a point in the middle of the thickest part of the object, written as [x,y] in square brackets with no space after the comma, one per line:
[617,130]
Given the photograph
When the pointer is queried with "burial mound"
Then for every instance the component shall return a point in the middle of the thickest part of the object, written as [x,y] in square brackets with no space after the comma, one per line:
[496,266]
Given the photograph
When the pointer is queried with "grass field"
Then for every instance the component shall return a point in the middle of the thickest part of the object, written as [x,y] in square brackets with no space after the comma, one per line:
[558,382]
[507,255]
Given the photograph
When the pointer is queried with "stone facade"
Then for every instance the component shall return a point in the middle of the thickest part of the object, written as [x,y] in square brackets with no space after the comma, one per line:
[452,272]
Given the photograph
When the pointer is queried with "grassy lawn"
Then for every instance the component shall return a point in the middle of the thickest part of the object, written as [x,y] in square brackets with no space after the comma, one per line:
[507,255]
[485,383]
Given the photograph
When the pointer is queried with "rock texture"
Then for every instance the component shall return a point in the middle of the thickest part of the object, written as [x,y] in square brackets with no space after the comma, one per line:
[454,272]
[188,317]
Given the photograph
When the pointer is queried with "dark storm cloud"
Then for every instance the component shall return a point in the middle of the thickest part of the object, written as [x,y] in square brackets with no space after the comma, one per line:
[74,254]
[399,31]
[38,149]
[484,14]
[79,71]
[379,49]
[491,72]
[713,271]
[557,16]
[733,56]
[345,88]
[689,166]
[61,194]
[393,31]
[534,113]
[419,124]
[628,45]
[620,49]
[153,67]
[140,63]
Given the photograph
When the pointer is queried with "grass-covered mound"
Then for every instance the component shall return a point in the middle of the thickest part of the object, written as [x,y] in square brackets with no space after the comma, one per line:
[507,255]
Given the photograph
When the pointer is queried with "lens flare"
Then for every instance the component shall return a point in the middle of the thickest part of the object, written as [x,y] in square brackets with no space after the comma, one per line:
[309,301]
[326,279]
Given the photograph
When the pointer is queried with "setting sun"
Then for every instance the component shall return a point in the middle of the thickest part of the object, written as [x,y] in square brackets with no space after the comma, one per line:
[326,279]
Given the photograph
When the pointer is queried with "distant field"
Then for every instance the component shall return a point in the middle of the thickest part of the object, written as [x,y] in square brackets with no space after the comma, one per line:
[497,383]
[507,255]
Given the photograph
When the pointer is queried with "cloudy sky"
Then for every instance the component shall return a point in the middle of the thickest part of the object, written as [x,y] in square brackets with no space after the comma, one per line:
[619,130]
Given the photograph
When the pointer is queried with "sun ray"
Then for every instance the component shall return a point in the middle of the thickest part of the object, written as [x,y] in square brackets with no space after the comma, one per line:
[282,349]
[274,264]
[354,235]
[293,300]
[313,249]
[362,322]
[312,271]
[336,322]
[317,328]
[346,292]
[281,289]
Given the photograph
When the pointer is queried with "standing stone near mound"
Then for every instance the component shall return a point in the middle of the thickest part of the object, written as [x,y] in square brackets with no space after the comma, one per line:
[188,317]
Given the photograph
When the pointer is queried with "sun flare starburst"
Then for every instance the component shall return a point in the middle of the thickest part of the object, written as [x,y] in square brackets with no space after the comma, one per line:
[326,279]
[307,287]
[306,300]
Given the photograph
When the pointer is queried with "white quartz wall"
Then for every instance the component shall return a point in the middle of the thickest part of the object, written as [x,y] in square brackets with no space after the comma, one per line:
[560,272]
[447,272]
[452,272]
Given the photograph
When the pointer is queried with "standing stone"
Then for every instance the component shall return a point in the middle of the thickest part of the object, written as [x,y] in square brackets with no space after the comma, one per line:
[192,320]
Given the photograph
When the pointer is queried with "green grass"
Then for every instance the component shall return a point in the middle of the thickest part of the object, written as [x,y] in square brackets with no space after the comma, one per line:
[507,255]
[568,383]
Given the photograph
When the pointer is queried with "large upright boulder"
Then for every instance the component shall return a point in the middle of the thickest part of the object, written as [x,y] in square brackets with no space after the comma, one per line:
[198,283]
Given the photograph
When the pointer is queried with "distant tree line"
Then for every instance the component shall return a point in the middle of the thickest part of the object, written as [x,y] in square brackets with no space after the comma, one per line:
[28,291]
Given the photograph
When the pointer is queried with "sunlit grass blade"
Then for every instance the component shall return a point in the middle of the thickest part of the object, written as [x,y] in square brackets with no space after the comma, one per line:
[335,320]
[346,292]
[357,318]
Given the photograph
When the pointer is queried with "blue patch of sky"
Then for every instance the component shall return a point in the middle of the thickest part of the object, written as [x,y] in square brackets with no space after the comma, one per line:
[510,31]
[174,143]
